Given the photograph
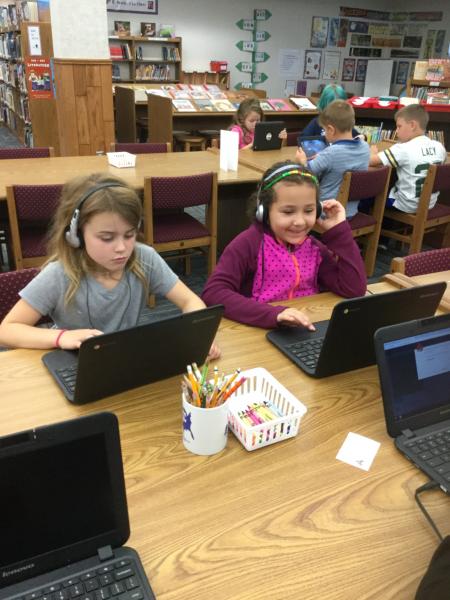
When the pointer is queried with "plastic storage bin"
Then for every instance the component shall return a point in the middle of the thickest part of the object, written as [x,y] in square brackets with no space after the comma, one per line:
[260,385]
[218,66]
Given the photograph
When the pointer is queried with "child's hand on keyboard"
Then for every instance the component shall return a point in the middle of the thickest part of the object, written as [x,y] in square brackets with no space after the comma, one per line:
[72,338]
[295,318]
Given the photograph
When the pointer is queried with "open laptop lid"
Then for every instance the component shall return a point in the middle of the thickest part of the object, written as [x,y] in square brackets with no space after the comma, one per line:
[266,135]
[414,367]
[125,359]
[62,496]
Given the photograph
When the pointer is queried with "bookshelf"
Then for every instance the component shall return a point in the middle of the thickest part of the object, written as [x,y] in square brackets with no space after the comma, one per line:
[145,60]
[31,119]
[426,90]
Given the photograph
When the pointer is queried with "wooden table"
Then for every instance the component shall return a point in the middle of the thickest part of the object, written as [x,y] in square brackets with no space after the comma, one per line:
[282,523]
[399,281]
[234,186]
[263,159]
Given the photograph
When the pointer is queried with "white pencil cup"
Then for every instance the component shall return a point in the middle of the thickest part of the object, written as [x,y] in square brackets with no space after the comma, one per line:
[205,430]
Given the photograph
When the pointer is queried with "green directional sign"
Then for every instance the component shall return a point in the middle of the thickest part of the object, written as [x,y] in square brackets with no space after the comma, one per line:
[259,77]
[246,24]
[245,67]
[261,36]
[262,14]
[244,85]
[260,57]
[247,46]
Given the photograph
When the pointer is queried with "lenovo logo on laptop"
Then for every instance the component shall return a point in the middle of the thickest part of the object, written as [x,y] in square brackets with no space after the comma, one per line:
[6,574]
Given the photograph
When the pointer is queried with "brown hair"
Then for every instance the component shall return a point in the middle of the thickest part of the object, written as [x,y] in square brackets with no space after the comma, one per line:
[414,112]
[245,108]
[121,200]
[340,114]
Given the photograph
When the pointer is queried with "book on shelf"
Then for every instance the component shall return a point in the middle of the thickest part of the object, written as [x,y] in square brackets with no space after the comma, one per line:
[182,105]
[116,72]
[438,98]
[438,69]
[303,103]
[115,52]
[158,92]
[223,104]
[180,94]
[437,135]
[266,106]
[158,72]
[217,95]
[212,88]
[279,104]
[205,105]
[199,95]
[148,29]
[170,53]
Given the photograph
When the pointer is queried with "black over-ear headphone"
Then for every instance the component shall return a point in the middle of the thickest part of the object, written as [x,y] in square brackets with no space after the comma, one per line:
[74,237]
[272,178]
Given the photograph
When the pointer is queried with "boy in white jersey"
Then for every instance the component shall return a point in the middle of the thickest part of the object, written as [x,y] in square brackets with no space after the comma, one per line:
[411,157]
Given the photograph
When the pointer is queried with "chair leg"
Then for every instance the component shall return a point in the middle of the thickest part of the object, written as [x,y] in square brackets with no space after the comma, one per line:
[152,301]
[187,265]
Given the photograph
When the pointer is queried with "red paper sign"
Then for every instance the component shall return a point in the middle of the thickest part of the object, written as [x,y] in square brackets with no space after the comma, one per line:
[39,78]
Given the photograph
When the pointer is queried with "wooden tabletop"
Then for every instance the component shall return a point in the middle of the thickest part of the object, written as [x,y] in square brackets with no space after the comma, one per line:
[284,522]
[263,159]
[61,169]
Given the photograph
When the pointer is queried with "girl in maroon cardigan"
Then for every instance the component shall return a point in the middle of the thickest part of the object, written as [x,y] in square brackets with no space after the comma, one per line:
[276,258]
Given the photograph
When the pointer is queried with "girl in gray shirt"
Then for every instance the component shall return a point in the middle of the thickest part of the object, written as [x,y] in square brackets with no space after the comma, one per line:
[98,278]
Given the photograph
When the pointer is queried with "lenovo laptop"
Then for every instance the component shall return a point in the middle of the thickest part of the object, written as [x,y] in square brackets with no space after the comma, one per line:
[114,362]
[266,135]
[414,367]
[64,516]
[345,342]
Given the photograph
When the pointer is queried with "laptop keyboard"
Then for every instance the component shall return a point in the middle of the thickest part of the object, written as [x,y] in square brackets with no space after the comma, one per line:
[68,376]
[118,581]
[434,450]
[307,352]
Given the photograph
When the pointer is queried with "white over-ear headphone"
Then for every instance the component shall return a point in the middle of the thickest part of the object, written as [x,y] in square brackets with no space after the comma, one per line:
[73,236]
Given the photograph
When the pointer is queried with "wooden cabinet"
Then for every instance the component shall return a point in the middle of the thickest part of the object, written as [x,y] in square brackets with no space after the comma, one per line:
[145,60]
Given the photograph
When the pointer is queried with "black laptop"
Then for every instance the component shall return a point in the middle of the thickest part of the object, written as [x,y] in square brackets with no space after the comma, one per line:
[119,361]
[266,135]
[64,516]
[414,367]
[345,342]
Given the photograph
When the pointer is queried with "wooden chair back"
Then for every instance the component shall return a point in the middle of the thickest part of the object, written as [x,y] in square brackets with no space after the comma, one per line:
[410,228]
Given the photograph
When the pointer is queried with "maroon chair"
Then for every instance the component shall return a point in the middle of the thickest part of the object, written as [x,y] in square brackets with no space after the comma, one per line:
[409,228]
[431,261]
[10,285]
[142,148]
[292,138]
[30,210]
[168,228]
[360,185]
[26,152]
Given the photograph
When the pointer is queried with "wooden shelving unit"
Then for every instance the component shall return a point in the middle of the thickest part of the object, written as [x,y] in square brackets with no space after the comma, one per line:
[145,60]
[419,88]
[222,79]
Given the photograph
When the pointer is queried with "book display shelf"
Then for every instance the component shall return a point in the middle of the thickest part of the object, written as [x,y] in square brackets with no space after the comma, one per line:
[27,104]
[219,78]
[144,59]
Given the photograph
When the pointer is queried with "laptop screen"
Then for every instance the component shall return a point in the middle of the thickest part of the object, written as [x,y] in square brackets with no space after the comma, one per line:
[61,495]
[417,373]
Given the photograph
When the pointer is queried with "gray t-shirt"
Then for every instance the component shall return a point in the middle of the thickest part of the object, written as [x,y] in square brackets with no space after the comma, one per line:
[93,306]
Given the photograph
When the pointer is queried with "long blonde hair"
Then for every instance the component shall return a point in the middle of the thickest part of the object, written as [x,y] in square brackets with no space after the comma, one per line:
[121,199]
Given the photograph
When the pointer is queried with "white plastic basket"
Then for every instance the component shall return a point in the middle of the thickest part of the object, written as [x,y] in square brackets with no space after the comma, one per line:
[121,159]
[258,386]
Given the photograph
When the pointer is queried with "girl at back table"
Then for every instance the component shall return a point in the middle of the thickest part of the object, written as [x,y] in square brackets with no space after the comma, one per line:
[276,259]
[248,114]
[98,278]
